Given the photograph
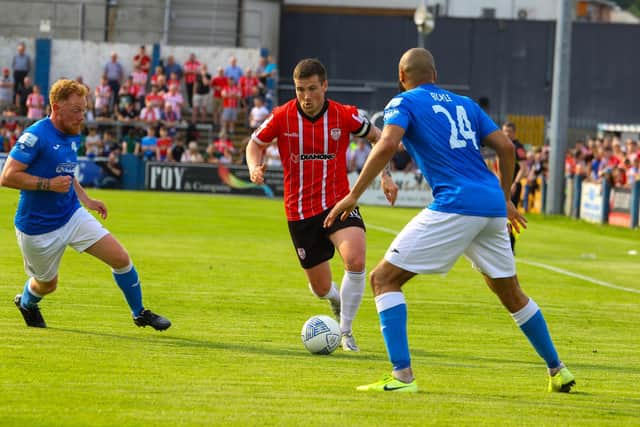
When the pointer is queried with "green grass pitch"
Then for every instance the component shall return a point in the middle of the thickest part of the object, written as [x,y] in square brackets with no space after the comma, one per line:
[224,271]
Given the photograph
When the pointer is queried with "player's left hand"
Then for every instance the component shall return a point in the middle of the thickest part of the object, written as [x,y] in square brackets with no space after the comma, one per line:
[516,220]
[98,206]
[344,207]
[389,188]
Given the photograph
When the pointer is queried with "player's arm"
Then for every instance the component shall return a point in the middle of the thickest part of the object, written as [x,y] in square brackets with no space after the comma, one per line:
[522,172]
[505,151]
[14,175]
[378,159]
[88,202]
[255,156]
[388,185]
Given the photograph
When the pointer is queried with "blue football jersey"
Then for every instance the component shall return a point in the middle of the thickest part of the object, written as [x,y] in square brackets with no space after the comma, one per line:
[443,133]
[48,153]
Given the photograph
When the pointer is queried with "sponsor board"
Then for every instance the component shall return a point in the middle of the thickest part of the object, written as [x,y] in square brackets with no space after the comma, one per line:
[413,190]
[620,207]
[591,202]
[206,178]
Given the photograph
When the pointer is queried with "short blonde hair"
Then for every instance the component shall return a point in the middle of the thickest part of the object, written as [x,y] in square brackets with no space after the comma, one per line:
[64,88]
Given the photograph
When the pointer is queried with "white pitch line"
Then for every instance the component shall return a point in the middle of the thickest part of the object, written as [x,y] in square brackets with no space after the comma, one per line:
[544,266]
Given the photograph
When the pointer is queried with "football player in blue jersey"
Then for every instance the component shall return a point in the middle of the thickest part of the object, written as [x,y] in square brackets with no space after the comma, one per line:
[49,216]
[468,216]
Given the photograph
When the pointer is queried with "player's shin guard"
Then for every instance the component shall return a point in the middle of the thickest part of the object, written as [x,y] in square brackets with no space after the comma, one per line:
[29,297]
[351,292]
[127,280]
[392,310]
[532,323]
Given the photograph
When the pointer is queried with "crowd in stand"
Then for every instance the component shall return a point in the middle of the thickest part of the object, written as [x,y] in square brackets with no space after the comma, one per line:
[152,106]
[605,159]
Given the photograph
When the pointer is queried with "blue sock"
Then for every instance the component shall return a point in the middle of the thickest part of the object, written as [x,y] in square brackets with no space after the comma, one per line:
[392,311]
[127,280]
[28,299]
[534,326]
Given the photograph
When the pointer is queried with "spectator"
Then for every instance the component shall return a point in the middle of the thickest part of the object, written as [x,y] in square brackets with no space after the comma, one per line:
[127,113]
[175,99]
[271,72]
[142,61]
[131,140]
[230,101]
[21,65]
[126,95]
[191,68]
[173,80]
[35,104]
[148,146]
[258,113]
[176,151]
[218,83]
[172,67]
[170,118]
[109,143]
[261,73]
[249,89]
[272,155]
[233,70]
[359,155]
[103,98]
[632,149]
[201,96]
[139,78]
[150,114]
[111,170]
[115,73]
[23,94]
[93,146]
[6,89]
[219,146]
[164,143]
[159,74]
[192,154]
[154,98]
[401,161]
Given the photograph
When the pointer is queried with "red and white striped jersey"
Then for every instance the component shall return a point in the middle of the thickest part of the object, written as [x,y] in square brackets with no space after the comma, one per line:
[313,151]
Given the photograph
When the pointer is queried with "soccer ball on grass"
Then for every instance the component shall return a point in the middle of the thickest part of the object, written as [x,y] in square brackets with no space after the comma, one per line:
[321,334]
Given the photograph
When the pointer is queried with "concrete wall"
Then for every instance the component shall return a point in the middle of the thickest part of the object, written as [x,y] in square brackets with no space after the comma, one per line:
[261,25]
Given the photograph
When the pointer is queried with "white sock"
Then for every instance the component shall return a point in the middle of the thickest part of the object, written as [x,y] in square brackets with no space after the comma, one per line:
[351,292]
[332,295]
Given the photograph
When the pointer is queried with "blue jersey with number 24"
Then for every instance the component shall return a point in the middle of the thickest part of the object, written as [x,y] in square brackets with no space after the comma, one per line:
[443,133]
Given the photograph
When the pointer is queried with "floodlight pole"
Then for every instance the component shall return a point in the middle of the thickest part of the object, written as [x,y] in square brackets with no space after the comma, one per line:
[558,131]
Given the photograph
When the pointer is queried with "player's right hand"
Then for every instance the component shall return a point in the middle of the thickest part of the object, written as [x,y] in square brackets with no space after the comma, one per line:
[516,220]
[60,184]
[257,174]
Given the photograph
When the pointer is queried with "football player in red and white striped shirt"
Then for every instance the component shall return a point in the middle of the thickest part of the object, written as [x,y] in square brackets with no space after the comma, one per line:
[313,135]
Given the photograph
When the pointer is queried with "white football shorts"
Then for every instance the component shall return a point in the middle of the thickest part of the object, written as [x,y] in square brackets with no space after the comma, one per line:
[42,252]
[433,241]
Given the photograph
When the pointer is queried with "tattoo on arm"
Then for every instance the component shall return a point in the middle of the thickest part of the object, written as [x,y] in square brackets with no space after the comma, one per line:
[42,184]
[387,170]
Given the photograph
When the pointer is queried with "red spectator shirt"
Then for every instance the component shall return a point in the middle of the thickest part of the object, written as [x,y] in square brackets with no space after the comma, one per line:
[230,95]
[313,152]
[145,61]
[191,68]
[247,84]
[218,83]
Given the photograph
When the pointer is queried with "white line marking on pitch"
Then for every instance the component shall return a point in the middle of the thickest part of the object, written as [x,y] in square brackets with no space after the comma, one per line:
[544,266]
